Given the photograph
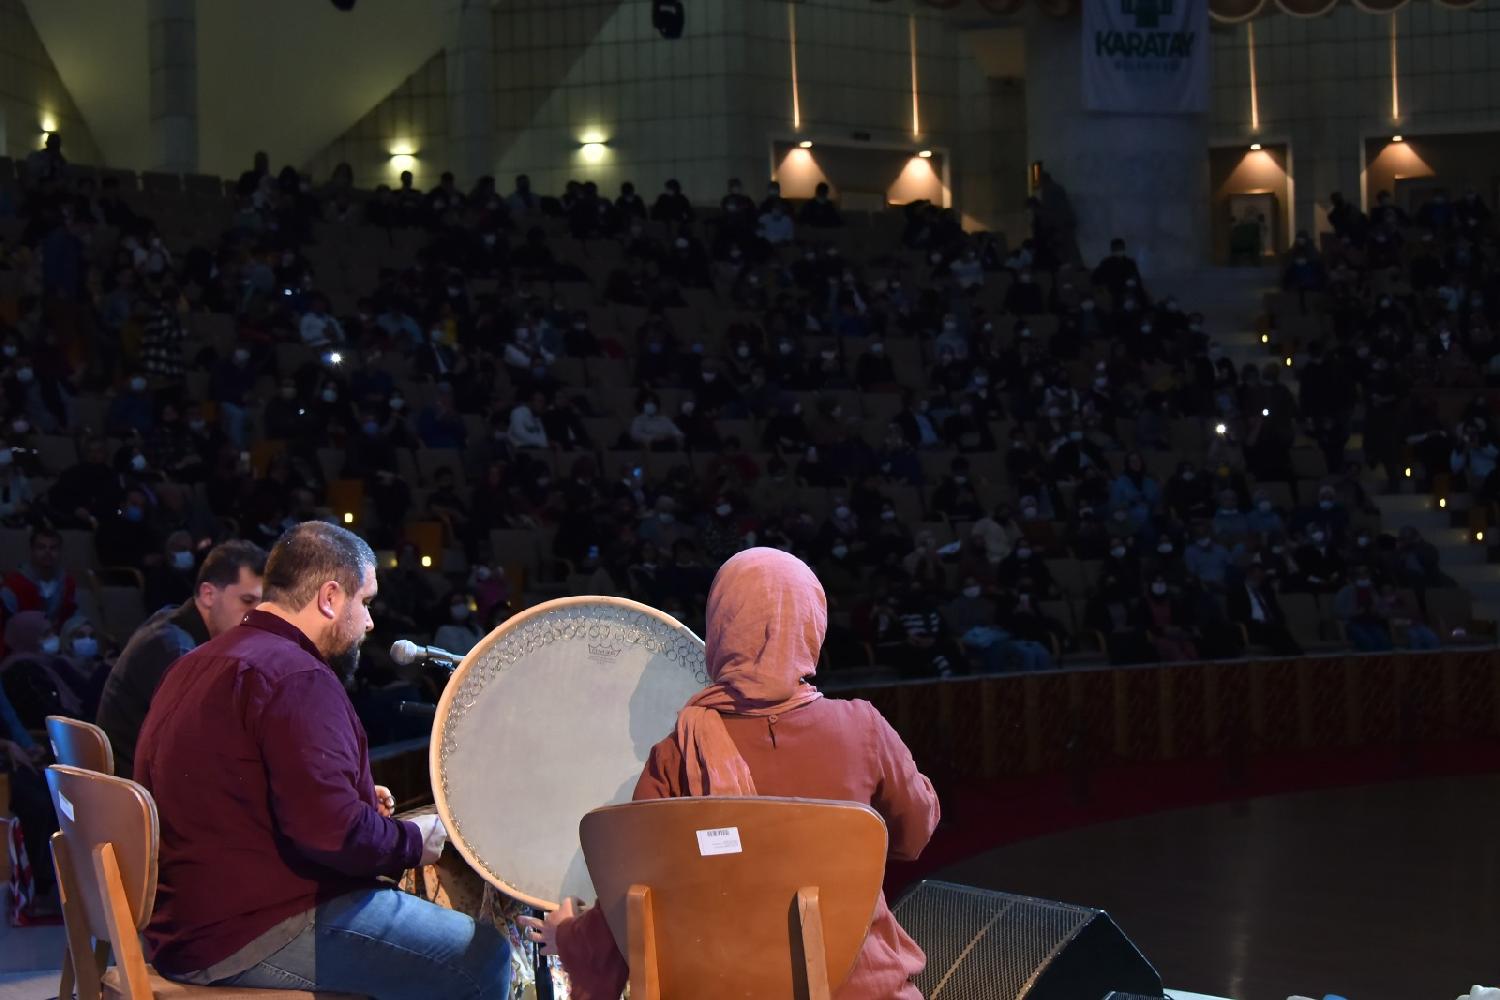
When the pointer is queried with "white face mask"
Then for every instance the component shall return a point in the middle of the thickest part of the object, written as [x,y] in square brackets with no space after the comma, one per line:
[841,512]
[24,375]
[971,592]
[1118,552]
[1158,588]
[649,409]
[1023,553]
[330,396]
[459,612]
[138,463]
[85,647]
[182,559]
[840,551]
[1165,548]
[6,457]
[137,384]
[51,645]
[724,510]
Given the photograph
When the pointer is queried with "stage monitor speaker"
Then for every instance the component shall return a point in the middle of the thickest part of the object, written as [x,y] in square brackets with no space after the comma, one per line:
[984,945]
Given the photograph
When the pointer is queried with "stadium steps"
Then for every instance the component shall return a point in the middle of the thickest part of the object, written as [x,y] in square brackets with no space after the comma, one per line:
[1232,300]
[1458,555]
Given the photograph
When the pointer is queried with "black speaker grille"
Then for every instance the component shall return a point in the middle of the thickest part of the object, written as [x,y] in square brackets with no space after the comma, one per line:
[968,956]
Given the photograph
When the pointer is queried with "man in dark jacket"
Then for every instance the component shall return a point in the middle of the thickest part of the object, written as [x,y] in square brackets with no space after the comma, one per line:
[228,588]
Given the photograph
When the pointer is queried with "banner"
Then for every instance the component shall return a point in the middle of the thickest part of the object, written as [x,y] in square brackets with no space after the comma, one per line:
[1145,57]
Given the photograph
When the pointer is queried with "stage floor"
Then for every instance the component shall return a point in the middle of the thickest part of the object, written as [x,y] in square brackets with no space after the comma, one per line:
[1380,892]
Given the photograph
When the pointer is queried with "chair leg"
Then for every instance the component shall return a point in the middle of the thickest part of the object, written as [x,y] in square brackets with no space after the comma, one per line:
[814,957]
[65,981]
[645,980]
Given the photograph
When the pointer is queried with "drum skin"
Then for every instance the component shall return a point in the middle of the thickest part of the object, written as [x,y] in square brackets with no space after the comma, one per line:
[553,714]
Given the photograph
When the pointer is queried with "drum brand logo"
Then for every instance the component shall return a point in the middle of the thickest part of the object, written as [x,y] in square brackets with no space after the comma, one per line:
[603,654]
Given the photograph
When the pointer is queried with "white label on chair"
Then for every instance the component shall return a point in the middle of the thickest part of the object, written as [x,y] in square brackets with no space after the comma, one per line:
[722,841]
[66,807]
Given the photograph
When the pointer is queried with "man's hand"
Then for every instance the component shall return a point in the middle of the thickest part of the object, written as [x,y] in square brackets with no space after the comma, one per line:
[384,800]
[544,932]
[434,836]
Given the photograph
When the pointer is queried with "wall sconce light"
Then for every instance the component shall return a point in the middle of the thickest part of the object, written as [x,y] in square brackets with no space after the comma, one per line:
[1255,147]
[49,122]
[925,154]
[805,144]
[403,157]
[592,147]
[1397,138]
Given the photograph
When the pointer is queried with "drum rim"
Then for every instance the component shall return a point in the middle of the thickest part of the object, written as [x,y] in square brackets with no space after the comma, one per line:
[450,691]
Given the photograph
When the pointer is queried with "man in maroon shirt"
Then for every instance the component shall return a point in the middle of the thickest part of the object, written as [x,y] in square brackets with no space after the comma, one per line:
[272,833]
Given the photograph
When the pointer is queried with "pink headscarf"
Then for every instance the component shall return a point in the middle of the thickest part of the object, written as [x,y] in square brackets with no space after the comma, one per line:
[767,616]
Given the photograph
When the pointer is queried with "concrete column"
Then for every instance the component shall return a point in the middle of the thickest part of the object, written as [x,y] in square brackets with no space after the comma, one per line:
[172,33]
[1143,178]
[470,54]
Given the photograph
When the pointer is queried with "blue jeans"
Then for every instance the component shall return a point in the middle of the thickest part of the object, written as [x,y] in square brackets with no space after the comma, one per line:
[1422,637]
[1370,638]
[390,945]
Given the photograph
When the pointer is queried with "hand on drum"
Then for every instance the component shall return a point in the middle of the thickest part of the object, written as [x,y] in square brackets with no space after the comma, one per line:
[434,836]
[544,932]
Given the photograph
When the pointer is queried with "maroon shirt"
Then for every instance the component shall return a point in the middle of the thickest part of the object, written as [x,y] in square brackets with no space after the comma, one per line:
[261,775]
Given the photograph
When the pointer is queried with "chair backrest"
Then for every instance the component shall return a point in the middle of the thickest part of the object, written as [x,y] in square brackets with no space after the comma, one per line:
[80,744]
[100,815]
[725,877]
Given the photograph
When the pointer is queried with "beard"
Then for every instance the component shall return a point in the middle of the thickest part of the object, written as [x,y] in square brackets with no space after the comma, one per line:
[346,663]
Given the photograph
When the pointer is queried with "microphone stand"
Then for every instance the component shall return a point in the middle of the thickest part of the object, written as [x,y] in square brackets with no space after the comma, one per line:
[540,967]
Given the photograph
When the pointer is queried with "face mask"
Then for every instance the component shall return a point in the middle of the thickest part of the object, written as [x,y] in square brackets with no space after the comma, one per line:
[6,457]
[288,392]
[397,403]
[137,384]
[241,355]
[182,559]
[1362,584]
[371,428]
[887,515]
[1165,548]
[1023,553]
[134,514]
[330,396]
[710,377]
[971,592]
[23,375]
[1325,504]
[1264,506]
[1317,537]
[666,517]
[724,510]
[649,409]
[1204,543]
[742,351]
[1158,588]
[10,350]
[85,647]
[841,512]
[138,463]
[1118,552]
[1075,435]
[51,645]
[1363,542]
[1028,513]
[840,551]
[1188,477]
[459,612]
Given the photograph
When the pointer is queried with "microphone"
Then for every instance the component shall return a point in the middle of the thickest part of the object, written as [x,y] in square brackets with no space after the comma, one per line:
[420,709]
[405,652]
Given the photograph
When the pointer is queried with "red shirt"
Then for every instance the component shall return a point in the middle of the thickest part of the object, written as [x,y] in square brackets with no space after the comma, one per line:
[827,749]
[261,774]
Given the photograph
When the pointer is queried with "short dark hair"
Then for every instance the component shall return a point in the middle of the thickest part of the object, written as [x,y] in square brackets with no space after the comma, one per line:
[310,554]
[44,531]
[221,567]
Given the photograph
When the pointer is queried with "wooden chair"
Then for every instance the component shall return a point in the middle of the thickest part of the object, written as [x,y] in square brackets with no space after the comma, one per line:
[80,744]
[105,853]
[796,878]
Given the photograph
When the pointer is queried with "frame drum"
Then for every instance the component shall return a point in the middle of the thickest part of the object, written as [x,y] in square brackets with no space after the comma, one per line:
[551,715]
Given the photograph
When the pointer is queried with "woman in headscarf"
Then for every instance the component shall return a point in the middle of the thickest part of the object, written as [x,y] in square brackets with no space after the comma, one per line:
[761,729]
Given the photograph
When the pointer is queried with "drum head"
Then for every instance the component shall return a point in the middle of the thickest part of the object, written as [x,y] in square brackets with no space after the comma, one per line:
[551,715]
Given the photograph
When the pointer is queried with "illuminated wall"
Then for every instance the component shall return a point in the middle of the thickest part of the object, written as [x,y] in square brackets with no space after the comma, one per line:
[1324,85]
[32,95]
[412,121]
[701,109]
